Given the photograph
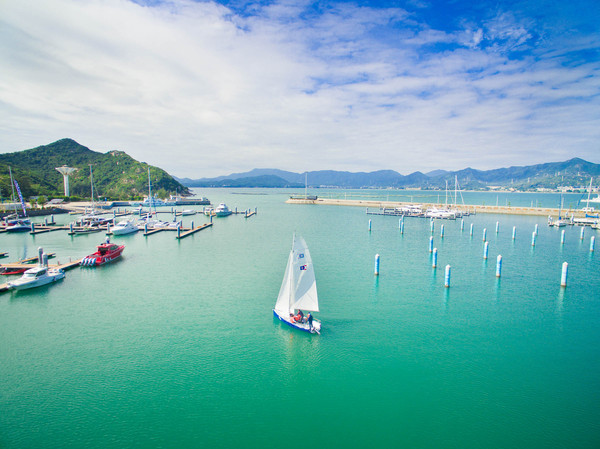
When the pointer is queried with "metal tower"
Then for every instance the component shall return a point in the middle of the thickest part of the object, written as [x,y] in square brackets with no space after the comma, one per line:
[66,171]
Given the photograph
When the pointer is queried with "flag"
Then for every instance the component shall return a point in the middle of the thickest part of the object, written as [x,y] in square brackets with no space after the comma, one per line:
[21,198]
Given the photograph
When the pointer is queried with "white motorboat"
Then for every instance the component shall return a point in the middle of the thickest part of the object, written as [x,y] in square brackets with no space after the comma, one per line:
[124,227]
[36,277]
[18,225]
[155,202]
[441,213]
[410,209]
[152,223]
[208,211]
[222,210]
[298,290]
[188,212]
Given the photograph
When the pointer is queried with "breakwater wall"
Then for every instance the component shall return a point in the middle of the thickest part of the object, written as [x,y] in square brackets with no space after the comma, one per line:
[541,211]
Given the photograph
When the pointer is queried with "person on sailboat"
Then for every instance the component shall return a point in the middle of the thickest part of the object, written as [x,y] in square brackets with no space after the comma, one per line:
[298,318]
[309,319]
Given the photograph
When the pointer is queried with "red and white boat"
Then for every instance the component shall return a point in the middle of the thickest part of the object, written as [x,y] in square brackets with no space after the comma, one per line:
[106,252]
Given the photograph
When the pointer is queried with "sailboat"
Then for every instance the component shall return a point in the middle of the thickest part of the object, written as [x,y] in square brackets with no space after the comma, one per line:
[589,208]
[561,221]
[14,223]
[299,289]
[147,220]
[91,221]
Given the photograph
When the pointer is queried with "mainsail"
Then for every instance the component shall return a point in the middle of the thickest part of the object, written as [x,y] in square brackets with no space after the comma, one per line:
[299,288]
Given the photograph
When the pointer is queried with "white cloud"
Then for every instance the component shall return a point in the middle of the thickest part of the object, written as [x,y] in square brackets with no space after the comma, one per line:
[200,91]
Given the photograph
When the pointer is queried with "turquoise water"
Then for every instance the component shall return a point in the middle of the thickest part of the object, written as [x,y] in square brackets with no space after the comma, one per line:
[176,346]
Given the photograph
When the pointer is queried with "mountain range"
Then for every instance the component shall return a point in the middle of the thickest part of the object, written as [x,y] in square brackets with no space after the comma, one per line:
[117,175]
[574,172]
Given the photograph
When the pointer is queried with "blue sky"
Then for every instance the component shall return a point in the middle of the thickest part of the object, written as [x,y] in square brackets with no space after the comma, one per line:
[210,88]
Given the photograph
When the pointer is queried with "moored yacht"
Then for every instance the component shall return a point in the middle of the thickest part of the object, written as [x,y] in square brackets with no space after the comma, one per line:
[222,210]
[36,277]
[124,227]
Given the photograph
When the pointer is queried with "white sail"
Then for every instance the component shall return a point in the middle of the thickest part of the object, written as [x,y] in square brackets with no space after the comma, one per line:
[282,306]
[299,287]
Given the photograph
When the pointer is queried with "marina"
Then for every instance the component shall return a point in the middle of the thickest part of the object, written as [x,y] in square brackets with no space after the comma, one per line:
[146,351]
[388,207]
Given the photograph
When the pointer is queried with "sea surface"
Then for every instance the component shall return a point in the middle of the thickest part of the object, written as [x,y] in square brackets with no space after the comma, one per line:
[175,345]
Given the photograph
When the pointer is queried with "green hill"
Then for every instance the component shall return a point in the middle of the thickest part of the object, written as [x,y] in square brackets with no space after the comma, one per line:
[116,174]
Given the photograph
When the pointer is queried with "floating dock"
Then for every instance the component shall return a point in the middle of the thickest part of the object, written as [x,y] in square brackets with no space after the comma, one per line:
[187,232]
[46,228]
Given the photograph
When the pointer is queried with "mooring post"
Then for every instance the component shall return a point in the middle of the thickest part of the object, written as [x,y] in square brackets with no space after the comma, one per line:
[563,277]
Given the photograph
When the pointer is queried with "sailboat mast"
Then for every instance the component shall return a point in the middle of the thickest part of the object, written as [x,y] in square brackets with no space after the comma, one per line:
[150,200]
[455,190]
[92,183]
[12,184]
[446,194]
[306,185]
[290,275]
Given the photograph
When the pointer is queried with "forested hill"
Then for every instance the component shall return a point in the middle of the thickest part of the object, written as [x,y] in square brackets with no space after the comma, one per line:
[116,175]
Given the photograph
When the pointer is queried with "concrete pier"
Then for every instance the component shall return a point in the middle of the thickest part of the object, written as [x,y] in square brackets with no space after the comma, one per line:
[541,211]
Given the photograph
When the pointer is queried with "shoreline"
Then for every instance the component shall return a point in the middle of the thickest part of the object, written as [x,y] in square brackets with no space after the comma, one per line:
[509,210]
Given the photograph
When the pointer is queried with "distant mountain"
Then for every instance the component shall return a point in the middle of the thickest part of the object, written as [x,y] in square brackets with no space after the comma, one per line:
[434,173]
[253,181]
[574,172]
[323,178]
[290,177]
[116,174]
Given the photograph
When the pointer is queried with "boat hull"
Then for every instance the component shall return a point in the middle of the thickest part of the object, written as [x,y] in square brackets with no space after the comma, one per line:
[96,260]
[123,229]
[17,285]
[304,327]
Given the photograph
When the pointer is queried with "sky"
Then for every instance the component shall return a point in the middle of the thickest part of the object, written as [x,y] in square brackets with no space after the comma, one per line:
[206,88]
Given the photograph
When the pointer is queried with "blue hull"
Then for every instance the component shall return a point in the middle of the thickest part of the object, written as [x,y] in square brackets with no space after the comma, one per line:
[291,324]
